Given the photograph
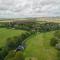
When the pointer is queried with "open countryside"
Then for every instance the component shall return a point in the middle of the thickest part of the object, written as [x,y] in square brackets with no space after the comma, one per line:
[29,39]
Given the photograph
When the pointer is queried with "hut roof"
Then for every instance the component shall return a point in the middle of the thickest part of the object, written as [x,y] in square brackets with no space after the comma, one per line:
[20,48]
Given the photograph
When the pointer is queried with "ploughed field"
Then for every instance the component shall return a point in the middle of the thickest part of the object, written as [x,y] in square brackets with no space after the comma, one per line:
[39,48]
[7,33]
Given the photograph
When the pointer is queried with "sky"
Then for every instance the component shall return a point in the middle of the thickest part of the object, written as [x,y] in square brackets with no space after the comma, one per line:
[29,8]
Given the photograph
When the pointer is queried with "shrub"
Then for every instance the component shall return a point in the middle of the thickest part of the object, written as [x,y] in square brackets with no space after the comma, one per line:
[3,53]
[53,41]
[58,55]
[57,34]
[15,56]
[14,42]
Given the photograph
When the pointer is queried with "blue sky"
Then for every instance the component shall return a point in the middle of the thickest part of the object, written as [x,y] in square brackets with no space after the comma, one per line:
[29,8]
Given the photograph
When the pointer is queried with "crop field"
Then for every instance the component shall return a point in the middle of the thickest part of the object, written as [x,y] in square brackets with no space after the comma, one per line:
[38,47]
[6,33]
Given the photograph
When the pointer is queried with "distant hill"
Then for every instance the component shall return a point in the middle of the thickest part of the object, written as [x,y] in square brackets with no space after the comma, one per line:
[47,19]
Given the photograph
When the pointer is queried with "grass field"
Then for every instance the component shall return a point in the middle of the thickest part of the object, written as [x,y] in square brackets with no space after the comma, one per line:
[5,33]
[38,47]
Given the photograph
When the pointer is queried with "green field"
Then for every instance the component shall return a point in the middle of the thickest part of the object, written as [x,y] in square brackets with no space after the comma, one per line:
[6,33]
[38,47]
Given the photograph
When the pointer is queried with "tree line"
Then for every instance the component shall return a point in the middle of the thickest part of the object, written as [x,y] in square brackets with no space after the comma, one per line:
[44,27]
[8,52]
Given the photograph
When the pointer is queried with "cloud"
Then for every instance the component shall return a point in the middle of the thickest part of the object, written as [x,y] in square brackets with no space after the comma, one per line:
[29,8]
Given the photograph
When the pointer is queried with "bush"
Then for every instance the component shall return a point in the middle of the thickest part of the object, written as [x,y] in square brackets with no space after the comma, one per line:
[13,43]
[53,41]
[56,40]
[3,53]
[57,34]
[58,55]
[15,56]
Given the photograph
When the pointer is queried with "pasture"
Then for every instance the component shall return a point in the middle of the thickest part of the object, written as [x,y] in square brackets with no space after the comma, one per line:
[38,47]
[6,33]
[38,44]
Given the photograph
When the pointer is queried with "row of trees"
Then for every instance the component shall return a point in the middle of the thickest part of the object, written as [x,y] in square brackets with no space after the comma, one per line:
[49,27]
[33,26]
[11,45]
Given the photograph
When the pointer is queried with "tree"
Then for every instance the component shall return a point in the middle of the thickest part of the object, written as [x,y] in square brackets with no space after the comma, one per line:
[11,43]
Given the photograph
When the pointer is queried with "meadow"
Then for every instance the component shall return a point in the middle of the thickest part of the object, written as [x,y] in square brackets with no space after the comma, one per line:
[39,48]
[36,42]
[6,33]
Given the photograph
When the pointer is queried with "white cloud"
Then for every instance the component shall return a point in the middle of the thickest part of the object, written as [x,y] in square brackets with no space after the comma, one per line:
[26,8]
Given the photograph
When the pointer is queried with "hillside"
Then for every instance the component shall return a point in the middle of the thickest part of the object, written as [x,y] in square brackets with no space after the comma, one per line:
[39,19]
[6,33]
[38,47]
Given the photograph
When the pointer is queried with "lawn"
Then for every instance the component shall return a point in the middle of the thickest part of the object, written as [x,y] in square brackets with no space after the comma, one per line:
[5,33]
[38,47]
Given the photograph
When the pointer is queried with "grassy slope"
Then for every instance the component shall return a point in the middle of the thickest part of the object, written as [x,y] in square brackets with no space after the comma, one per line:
[38,47]
[5,33]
